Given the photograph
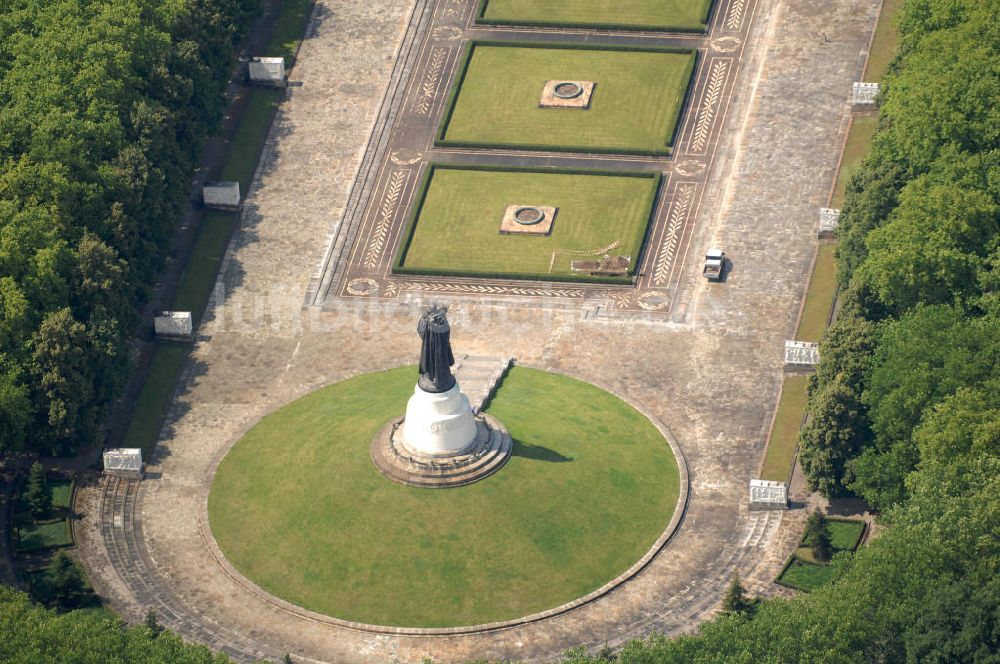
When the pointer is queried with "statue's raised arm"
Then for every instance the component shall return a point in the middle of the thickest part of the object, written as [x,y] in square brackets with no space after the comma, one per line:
[436,357]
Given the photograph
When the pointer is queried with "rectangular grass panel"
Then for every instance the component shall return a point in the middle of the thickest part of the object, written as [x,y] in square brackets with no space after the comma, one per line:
[822,291]
[62,491]
[454,226]
[859,142]
[34,537]
[780,454]
[635,107]
[665,15]
[806,576]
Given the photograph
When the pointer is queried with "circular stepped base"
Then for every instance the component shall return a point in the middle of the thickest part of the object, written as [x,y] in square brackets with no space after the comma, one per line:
[399,463]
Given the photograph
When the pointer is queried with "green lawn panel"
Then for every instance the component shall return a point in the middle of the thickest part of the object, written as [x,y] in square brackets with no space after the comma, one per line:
[806,576]
[44,536]
[153,399]
[819,298]
[884,42]
[785,434]
[845,535]
[680,15]
[298,506]
[457,230]
[287,32]
[62,491]
[635,106]
[859,142]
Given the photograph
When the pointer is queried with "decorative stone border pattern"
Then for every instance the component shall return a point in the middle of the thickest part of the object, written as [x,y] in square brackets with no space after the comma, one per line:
[250,587]
[561,93]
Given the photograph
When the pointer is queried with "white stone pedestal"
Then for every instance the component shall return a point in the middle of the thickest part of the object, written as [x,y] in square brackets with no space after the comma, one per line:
[440,424]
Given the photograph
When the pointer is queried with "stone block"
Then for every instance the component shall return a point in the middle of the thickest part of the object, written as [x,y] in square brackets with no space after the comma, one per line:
[125,462]
[528,220]
[801,353]
[829,219]
[173,324]
[768,495]
[223,195]
[560,93]
[864,94]
[267,71]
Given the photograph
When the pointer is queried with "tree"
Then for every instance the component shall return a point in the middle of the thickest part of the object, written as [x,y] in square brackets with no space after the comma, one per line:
[37,492]
[65,582]
[817,535]
[94,170]
[32,633]
[15,408]
[932,246]
[62,368]
[836,432]
[822,548]
[152,623]
[735,599]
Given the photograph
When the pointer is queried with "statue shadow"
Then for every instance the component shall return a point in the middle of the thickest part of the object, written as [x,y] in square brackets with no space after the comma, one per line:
[537,453]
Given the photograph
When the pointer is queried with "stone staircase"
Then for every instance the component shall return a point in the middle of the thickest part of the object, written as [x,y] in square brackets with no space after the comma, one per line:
[479,376]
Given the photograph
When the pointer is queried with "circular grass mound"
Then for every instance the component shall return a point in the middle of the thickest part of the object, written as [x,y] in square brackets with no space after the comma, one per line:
[298,507]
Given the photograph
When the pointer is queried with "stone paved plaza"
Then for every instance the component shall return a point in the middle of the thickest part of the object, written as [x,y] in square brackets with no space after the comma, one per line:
[756,157]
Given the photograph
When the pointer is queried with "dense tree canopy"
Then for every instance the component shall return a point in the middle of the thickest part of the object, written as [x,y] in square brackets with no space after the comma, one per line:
[918,258]
[104,105]
[34,635]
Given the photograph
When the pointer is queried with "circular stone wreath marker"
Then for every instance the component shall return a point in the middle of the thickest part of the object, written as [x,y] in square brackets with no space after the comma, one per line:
[528,216]
[308,524]
[567,90]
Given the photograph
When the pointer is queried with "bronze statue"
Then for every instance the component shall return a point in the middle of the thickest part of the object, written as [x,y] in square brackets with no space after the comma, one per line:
[436,357]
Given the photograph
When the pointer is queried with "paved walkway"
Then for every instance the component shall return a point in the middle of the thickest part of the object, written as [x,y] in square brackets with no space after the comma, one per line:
[710,371]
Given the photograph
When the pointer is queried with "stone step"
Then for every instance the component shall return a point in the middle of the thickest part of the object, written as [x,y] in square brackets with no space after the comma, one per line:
[479,375]
[493,452]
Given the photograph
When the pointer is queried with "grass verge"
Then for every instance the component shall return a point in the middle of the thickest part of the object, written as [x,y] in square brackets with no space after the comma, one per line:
[782,443]
[151,405]
[884,42]
[288,29]
[822,292]
[859,141]
[316,524]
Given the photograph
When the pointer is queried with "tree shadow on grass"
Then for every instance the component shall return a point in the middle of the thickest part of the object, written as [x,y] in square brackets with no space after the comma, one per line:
[537,452]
